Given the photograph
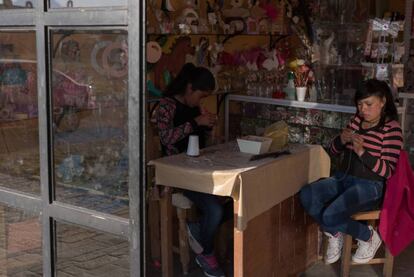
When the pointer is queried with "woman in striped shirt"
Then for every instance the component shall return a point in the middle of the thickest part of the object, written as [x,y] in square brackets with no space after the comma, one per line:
[371,144]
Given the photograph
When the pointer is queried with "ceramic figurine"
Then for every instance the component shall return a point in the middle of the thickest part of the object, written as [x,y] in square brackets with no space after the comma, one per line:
[272,61]
[188,21]
[202,52]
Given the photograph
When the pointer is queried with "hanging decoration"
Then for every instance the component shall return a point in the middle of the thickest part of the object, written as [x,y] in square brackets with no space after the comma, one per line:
[154,52]
[301,24]
[174,60]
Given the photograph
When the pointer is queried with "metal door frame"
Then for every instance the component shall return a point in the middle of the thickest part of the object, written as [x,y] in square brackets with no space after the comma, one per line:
[41,19]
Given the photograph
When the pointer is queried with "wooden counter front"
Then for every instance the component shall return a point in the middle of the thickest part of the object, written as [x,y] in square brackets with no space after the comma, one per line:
[282,241]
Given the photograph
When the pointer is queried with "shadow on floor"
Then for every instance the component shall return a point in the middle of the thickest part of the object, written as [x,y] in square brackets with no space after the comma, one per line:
[403,267]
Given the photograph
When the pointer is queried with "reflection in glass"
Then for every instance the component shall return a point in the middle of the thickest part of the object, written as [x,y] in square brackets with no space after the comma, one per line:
[89,92]
[17,4]
[85,252]
[19,142]
[20,243]
[86,3]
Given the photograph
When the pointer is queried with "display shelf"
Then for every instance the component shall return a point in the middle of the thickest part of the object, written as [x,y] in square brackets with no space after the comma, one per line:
[345,66]
[293,104]
[351,25]
[295,124]
[217,34]
[406,95]
[344,25]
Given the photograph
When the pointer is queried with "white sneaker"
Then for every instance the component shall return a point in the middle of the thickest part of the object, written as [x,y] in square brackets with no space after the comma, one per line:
[367,249]
[334,249]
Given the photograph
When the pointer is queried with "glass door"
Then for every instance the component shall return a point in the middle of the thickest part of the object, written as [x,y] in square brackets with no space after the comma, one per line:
[71,138]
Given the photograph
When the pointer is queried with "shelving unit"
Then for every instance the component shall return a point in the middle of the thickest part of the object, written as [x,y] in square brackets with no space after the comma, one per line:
[292,104]
[407,96]
[407,99]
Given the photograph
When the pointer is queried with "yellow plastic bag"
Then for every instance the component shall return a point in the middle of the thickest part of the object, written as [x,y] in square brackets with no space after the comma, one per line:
[279,133]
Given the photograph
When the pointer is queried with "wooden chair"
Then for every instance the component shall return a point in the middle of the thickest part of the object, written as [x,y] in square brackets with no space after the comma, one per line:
[182,205]
[388,260]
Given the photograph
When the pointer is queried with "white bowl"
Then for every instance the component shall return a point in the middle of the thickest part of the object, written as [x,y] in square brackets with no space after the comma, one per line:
[254,144]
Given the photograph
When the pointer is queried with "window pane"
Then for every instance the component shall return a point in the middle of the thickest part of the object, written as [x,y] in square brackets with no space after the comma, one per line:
[17,4]
[409,134]
[19,138]
[89,92]
[85,252]
[20,243]
[86,3]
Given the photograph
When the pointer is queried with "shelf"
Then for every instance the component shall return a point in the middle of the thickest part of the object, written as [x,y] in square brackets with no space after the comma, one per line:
[293,103]
[298,104]
[406,95]
[344,24]
[220,92]
[215,34]
[343,66]
[295,124]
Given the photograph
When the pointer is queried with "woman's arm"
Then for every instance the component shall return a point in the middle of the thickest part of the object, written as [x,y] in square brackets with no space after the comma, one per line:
[337,145]
[165,123]
[384,164]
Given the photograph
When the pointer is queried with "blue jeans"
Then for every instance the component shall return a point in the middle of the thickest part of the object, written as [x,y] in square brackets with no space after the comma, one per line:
[332,202]
[215,210]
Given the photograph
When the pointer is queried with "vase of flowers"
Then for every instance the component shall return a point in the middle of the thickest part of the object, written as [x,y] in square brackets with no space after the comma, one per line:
[303,77]
[301,93]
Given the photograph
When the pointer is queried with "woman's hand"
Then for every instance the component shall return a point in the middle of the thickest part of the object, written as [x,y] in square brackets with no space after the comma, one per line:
[358,144]
[206,119]
[346,135]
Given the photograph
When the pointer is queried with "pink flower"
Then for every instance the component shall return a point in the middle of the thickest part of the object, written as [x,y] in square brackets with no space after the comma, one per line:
[303,69]
[303,74]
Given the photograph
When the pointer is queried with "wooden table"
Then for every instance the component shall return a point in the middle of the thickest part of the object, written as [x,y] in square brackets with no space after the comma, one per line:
[272,234]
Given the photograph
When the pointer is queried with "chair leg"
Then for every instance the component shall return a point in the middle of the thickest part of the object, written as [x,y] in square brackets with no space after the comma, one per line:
[324,246]
[183,240]
[388,264]
[154,229]
[346,256]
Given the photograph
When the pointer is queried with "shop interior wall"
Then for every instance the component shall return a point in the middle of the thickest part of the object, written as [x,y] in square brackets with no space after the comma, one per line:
[233,43]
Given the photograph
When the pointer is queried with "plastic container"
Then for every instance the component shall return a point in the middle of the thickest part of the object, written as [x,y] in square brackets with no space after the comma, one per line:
[254,144]
[290,88]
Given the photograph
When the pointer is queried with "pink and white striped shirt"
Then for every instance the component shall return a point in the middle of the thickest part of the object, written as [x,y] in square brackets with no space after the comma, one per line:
[382,149]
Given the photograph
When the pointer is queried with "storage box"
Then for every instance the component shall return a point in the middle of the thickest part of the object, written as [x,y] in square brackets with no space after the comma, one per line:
[254,144]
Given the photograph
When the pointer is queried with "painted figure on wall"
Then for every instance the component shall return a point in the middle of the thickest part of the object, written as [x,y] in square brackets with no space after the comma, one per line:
[174,61]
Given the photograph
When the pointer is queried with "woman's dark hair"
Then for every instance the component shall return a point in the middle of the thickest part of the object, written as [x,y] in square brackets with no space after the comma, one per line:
[199,77]
[373,87]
